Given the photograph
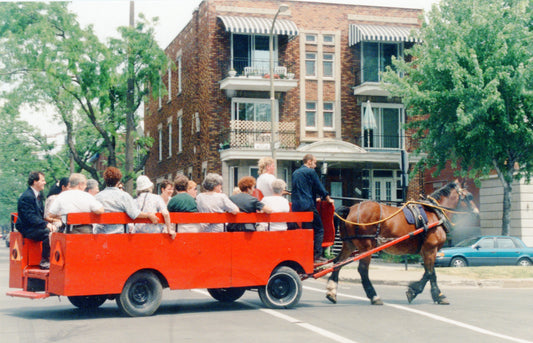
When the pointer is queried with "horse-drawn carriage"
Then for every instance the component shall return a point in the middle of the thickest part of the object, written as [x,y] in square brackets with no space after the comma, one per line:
[134,268]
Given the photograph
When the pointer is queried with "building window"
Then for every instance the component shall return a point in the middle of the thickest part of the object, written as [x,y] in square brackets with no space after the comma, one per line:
[328,39]
[376,57]
[251,109]
[253,51]
[310,64]
[160,141]
[387,133]
[310,38]
[180,132]
[178,62]
[159,98]
[310,115]
[169,126]
[328,115]
[169,84]
[327,63]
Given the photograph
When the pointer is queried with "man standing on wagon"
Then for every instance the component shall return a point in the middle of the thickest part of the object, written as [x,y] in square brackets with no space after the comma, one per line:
[306,188]
[31,223]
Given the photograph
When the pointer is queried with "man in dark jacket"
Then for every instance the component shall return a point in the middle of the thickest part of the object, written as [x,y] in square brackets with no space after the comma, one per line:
[306,188]
[30,222]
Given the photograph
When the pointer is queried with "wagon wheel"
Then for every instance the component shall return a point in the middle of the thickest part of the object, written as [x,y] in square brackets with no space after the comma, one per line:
[283,290]
[226,295]
[88,302]
[141,295]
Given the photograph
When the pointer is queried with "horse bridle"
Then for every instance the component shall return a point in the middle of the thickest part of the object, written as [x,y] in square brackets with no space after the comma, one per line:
[465,198]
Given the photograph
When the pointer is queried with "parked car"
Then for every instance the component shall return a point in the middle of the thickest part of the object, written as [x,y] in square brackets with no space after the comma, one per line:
[6,239]
[486,251]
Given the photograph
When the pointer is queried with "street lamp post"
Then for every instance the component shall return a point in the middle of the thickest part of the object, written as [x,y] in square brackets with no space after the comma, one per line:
[282,8]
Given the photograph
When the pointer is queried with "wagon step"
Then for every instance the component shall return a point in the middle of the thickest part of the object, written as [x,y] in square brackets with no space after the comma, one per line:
[28,295]
[36,273]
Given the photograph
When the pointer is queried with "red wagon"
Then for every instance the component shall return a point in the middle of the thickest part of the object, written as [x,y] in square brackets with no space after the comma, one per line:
[134,268]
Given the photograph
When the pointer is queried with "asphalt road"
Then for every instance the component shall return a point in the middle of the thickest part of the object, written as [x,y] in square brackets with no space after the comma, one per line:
[476,315]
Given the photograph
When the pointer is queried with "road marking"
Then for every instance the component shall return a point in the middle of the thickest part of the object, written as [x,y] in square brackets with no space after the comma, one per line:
[292,320]
[435,317]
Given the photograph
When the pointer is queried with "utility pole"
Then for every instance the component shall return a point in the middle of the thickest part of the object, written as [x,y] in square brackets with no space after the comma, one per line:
[130,119]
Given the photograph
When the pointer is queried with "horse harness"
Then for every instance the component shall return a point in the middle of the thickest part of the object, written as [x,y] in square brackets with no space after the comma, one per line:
[416,215]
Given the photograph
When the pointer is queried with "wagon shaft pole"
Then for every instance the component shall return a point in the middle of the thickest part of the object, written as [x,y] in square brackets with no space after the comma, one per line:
[370,252]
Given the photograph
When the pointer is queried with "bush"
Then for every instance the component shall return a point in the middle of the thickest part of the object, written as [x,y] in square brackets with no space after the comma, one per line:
[411,258]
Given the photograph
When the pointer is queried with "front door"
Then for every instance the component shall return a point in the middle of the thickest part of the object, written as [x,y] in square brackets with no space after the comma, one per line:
[384,189]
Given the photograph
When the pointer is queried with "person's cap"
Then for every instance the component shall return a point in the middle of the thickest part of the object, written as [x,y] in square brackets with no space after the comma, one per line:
[143,183]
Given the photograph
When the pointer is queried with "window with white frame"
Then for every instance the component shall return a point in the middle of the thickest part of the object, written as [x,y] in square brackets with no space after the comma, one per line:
[376,56]
[310,38]
[178,62]
[169,84]
[180,131]
[169,127]
[328,114]
[310,115]
[160,141]
[327,63]
[310,64]
[252,109]
[388,132]
[159,98]
[328,39]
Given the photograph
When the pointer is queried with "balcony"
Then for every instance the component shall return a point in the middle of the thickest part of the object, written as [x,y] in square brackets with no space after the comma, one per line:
[254,76]
[245,134]
[376,142]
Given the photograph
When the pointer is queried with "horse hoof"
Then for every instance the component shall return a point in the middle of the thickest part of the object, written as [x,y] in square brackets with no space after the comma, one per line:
[443,301]
[410,295]
[376,301]
[331,298]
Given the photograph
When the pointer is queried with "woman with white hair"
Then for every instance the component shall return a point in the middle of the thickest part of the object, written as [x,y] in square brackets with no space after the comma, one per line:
[213,200]
[149,202]
[277,203]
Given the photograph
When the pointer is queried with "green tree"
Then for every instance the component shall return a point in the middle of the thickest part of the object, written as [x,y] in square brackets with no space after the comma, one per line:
[468,88]
[22,150]
[49,58]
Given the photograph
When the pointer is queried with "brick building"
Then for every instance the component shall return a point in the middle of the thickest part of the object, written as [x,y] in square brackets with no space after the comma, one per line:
[328,99]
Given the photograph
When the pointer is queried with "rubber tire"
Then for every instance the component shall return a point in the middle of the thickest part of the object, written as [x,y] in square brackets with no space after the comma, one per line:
[283,289]
[141,295]
[524,262]
[458,262]
[88,302]
[226,295]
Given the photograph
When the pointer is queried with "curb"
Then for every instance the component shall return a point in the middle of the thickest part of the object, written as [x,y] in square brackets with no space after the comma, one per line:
[486,283]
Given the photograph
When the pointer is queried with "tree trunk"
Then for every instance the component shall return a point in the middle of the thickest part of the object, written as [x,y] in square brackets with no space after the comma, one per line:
[506,213]
[130,120]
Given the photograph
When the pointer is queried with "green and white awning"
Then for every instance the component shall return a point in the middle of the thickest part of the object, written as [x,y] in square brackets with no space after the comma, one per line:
[255,25]
[383,33]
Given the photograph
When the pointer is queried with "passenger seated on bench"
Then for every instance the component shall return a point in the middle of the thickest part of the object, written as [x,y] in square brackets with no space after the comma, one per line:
[149,202]
[116,200]
[73,200]
[184,202]
[30,222]
[213,200]
[247,203]
[278,204]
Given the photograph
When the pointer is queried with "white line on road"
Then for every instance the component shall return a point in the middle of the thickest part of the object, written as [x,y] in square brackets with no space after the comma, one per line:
[292,320]
[436,317]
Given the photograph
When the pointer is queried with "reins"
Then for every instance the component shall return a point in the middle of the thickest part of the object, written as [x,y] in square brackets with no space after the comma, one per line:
[442,208]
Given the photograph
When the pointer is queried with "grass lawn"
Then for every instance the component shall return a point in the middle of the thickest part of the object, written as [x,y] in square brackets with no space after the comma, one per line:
[499,272]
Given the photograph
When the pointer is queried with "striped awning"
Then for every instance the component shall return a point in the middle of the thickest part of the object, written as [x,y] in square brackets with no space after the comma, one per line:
[386,33]
[251,25]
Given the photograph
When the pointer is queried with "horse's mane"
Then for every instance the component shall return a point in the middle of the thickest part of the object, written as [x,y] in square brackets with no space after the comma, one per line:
[444,191]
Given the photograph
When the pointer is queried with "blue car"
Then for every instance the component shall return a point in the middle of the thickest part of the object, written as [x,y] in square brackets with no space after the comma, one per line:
[486,251]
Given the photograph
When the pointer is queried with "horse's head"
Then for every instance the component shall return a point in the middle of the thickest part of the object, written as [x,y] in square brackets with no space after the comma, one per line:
[454,196]
[466,201]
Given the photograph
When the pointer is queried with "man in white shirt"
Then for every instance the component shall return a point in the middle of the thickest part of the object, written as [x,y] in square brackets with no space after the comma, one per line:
[74,200]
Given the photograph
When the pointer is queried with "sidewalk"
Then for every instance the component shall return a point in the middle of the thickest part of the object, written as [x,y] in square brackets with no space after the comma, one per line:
[395,274]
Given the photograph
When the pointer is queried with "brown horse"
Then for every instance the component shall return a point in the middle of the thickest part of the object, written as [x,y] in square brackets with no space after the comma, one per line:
[393,224]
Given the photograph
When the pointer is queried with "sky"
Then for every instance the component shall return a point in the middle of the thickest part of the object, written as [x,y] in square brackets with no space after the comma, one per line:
[107,15]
